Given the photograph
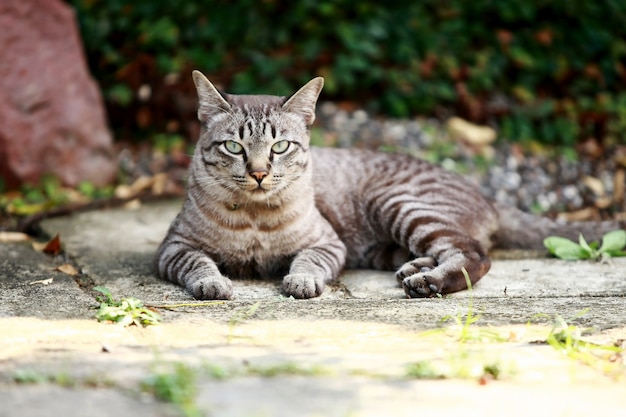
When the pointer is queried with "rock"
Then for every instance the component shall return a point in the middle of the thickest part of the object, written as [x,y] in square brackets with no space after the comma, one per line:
[474,135]
[52,118]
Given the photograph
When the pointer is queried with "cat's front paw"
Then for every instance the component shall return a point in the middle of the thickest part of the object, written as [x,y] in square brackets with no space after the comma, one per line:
[303,285]
[211,288]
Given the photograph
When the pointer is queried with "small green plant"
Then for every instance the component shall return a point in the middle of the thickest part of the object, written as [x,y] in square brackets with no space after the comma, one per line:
[464,361]
[288,368]
[28,376]
[568,339]
[425,370]
[463,364]
[464,325]
[125,312]
[177,386]
[613,244]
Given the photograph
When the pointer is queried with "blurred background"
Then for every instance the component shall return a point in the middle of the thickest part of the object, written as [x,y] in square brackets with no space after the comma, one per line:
[546,70]
[546,78]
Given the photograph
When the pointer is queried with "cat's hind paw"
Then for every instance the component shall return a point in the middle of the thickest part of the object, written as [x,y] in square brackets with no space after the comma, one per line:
[417,279]
[211,288]
[422,285]
[303,285]
[417,265]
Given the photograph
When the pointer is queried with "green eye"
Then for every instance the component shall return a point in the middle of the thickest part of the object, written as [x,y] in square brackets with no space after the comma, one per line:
[280,146]
[233,147]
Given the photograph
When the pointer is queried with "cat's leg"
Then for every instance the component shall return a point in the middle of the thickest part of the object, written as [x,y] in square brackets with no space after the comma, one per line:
[194,270]
[452,252]
[313,267]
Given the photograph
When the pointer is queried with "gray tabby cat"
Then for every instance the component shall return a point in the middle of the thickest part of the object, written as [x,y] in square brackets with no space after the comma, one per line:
[262,202]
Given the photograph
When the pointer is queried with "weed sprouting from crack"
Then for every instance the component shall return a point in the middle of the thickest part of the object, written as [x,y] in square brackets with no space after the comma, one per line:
[176,385]
[465,330]
[287,368]
[606,358]
[125,311]
[28,376]
[463,362]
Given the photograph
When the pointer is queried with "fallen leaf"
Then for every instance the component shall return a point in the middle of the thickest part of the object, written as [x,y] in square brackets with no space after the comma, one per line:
[51,247]
[42,281]
[128,191]
[160,181]
[9,237]
[67,269]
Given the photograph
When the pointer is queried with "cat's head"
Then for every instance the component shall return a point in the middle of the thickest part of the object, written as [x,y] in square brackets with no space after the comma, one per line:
[253,146]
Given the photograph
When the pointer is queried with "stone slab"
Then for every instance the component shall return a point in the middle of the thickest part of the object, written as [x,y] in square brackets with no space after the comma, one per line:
[361,330]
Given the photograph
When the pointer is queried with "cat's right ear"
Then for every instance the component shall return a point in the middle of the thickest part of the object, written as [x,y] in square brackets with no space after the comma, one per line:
[211,102]
[303,101]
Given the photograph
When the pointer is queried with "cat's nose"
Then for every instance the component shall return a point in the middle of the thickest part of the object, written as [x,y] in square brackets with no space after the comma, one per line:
[259,175]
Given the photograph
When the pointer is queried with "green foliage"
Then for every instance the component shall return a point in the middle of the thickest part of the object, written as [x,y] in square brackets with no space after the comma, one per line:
[125,312]
[34,198]
[560,65]
[48,194]
[613,244]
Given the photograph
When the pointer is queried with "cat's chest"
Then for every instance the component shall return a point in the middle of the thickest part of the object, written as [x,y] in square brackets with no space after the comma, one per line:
[242,238]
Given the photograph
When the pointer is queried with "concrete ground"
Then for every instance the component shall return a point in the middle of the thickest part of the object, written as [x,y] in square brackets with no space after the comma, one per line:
[361,349]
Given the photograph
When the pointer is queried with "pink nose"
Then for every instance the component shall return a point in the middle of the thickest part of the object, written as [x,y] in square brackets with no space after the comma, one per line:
[259,175]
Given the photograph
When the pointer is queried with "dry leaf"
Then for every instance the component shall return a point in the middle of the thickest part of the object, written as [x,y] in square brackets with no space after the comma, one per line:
[42,281]
[67,269]
[160,181]
[128,191]
[9,237]
[141,184]
[51,247]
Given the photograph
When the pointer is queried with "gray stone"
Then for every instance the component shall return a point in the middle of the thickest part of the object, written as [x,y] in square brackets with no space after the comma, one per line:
[361,335]
[52,118]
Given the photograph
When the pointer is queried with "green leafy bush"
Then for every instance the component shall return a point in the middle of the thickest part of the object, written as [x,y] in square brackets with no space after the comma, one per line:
[548,70]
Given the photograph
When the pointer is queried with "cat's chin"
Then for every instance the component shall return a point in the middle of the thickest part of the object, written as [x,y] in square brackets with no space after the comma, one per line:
[259,194]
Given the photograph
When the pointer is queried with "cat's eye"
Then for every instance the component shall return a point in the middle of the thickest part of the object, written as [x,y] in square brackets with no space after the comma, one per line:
[233,147]
[280,146]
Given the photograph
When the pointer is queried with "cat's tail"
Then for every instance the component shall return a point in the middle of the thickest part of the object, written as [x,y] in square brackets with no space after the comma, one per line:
[520,230]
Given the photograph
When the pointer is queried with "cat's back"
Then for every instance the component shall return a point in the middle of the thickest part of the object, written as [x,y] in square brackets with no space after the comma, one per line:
[355,188]
[338,171]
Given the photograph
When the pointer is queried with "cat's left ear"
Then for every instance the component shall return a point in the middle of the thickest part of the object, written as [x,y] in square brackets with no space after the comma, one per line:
[303,101]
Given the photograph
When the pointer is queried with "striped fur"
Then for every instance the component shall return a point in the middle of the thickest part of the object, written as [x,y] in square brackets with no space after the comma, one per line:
[259,206]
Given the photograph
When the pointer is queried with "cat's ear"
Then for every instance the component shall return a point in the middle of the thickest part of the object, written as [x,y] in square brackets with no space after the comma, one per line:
[303,101]
[210,100]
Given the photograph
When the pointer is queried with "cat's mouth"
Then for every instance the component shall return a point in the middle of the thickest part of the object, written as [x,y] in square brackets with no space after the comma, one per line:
[258,190]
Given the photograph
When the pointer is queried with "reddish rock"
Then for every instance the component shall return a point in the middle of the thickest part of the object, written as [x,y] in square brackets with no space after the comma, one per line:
[52,117]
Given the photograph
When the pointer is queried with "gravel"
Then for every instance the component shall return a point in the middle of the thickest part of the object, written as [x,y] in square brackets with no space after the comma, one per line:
[533,178]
